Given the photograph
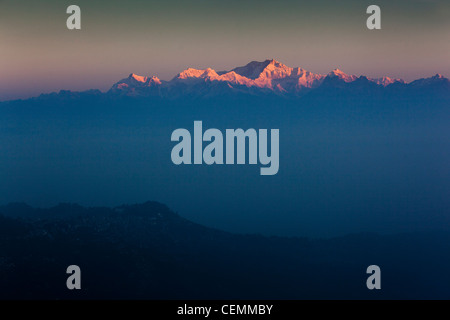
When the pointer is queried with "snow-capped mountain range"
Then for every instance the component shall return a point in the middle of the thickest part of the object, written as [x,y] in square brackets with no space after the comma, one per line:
[269,76]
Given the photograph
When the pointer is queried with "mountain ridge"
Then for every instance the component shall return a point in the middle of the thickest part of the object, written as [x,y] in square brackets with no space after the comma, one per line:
[255,79]
[269,75]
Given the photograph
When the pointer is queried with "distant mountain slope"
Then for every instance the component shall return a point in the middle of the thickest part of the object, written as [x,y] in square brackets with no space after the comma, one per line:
[147,251]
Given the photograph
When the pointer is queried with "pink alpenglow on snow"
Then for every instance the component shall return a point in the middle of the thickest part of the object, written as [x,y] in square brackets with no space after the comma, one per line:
[270,75]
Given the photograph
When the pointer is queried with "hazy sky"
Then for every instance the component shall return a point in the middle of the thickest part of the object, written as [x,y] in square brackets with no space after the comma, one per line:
[39,54]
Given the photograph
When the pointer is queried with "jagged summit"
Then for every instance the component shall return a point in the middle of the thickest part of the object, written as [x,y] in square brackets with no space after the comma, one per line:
[385,81]
[135,82]
[438,76]
[342,75]
[133,78]
[137,78]
[254,69]
[196,73]
[436,79]
[337,71]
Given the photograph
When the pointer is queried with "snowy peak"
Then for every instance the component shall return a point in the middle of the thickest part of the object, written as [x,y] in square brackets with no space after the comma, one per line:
[437,78]
[275,70]
[197,73]
[306,79]
[267,69]
[385,81]
[336,73]
[137,78]
[134,82]
[154,80]
[277,76]
[253,69]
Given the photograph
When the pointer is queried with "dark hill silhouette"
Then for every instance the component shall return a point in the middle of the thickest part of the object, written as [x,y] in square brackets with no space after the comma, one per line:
[146,251]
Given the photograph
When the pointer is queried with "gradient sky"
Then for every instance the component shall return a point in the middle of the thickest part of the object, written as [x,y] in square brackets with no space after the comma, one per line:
[39,54]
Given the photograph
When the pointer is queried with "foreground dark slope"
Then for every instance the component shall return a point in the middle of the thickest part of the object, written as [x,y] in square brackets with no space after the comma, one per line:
[147,251]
